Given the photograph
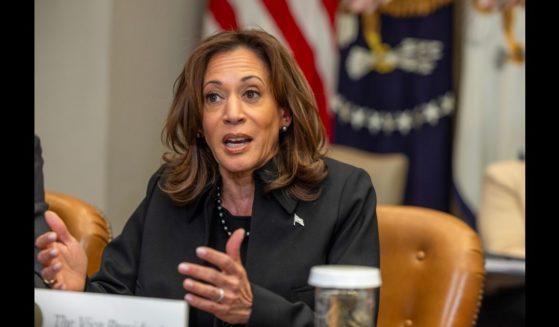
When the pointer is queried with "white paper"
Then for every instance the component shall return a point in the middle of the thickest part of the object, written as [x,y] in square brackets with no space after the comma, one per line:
[76,309]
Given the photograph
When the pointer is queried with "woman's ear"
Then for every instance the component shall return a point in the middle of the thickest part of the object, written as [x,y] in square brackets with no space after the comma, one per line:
[285,117]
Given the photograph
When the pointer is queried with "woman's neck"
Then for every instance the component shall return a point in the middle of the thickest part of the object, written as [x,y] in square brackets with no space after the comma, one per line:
[237,195]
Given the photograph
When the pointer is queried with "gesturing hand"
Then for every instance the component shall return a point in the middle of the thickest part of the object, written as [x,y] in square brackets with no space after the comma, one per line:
[227,293]
[63,258]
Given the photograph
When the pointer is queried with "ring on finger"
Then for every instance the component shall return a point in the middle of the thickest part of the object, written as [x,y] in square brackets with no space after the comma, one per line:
[221,295]
[49,282]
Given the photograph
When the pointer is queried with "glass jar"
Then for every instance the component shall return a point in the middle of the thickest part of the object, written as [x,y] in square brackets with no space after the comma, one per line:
[344,295]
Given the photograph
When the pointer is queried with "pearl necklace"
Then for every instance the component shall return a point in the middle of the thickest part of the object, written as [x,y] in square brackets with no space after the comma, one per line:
[221,214]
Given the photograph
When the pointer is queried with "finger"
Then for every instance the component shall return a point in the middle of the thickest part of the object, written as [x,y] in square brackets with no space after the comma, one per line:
[219,259]
[45,240]
[58,226]
[205,304]
[206,274]
[207,291]
[47,255]
[233,246]
[49,272]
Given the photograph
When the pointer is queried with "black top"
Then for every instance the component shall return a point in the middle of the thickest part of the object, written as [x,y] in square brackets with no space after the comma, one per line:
[218,237]
[340,227]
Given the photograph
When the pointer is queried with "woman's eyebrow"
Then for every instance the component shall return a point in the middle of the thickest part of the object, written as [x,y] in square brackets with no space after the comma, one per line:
[251,76]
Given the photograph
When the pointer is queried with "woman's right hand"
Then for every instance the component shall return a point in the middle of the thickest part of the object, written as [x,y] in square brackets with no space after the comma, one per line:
[63,258]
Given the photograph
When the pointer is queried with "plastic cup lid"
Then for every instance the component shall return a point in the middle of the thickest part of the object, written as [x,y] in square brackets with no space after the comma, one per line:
[342,276]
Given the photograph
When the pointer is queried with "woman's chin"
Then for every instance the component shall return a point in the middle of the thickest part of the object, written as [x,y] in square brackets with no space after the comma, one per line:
[239,166]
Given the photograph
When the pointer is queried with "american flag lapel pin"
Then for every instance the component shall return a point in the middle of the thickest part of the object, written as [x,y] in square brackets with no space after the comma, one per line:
[298,220]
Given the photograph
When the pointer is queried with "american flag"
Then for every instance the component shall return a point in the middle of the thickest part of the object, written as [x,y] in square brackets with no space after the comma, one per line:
[306,27]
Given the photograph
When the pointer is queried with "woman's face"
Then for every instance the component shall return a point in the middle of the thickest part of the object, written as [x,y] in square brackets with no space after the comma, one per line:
[241,119]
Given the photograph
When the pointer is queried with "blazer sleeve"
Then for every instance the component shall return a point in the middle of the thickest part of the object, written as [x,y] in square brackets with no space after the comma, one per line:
[40,204]
[119,265]
[270,309]
[40,225]
[356,239]
[354,242]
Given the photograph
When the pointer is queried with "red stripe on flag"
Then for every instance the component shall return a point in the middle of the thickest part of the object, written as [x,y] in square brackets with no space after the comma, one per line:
[303,53]
[224,14]
[331,6]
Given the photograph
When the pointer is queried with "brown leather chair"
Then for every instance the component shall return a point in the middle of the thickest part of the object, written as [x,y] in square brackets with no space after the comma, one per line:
[432,268]
[85,223]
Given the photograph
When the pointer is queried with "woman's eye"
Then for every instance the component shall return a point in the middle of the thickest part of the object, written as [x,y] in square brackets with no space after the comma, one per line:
[212,97]
[252,94]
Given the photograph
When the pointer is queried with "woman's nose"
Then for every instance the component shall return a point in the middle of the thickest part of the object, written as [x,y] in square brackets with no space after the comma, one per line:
[234,113]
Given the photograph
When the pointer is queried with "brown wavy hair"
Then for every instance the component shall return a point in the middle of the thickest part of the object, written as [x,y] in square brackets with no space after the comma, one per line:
[190,167]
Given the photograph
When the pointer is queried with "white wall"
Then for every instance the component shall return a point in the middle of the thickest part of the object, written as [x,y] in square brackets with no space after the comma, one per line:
[104,73]
[71,95]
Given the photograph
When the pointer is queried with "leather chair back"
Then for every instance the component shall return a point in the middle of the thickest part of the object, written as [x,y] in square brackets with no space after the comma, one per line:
[85,223]
[432,268]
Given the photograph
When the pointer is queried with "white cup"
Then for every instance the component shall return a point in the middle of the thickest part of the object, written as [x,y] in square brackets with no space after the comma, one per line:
[344,295]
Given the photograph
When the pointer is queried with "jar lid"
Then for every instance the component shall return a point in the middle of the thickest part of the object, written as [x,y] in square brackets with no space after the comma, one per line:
[343,276]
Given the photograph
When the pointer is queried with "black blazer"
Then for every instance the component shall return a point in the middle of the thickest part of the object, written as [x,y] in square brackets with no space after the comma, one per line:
[339,228]
[40,208]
